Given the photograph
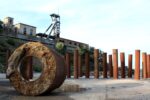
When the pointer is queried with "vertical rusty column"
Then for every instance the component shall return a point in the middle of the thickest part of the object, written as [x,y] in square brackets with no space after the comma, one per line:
[68,64]
[79,65]
[30,68]
[110,66]
[27,68]
[8,53]
[144,63]
[130,66]
[76,64]
[115,63]
[104,65]
[148,66]
[122,61]
[96,63]
[137,65]
[87,65]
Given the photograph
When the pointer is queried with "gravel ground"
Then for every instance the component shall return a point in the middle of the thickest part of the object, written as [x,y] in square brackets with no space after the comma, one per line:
[86,89]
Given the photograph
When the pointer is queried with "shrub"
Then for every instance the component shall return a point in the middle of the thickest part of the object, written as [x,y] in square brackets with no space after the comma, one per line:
[2,68]
[1,27]
[82,49]
[11,42]
[60,47]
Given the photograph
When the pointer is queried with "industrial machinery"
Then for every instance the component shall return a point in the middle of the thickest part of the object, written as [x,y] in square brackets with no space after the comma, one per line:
[53,29]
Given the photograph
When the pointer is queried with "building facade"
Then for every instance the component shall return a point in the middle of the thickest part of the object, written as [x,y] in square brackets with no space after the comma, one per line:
[20,27]
[8,22]
[25,29]
[71,45]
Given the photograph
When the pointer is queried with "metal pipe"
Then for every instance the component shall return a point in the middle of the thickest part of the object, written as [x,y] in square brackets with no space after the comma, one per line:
[87,65]
[96,63]
[68,64]
[137,65]
[115,63]
[144,62]
[130,66]
[76,64]
[104,65]
[122,60]
[110,66]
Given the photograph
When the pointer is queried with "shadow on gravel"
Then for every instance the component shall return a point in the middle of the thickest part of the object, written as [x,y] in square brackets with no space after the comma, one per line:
[124,85]
[7,92]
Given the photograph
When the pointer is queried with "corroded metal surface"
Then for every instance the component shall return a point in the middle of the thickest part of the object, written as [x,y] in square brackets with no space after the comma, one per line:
[68,65]
[144,61]
[96,63]
[122,61]
[53,69]
[76,54]
[87,65]
[104,65]
[110,66]
[115,63]
[137,65]
[130,66]
[148,66]
[79,65]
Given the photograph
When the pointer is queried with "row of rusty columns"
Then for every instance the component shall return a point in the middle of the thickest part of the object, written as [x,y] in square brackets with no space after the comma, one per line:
[112,65]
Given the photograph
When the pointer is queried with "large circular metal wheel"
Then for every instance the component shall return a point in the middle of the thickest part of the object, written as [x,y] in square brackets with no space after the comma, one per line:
[53,69]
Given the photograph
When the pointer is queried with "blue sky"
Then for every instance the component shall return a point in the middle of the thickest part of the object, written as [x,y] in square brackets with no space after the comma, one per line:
[104,24]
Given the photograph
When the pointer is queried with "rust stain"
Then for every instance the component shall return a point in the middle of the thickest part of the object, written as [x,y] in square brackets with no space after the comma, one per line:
[53,73]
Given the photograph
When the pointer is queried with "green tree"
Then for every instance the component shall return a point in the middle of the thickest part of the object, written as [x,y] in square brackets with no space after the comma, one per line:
[60,47]
[82,49]
[1,22]
[1,26]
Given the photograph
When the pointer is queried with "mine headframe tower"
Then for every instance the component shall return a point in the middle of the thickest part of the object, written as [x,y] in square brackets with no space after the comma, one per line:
[54,27]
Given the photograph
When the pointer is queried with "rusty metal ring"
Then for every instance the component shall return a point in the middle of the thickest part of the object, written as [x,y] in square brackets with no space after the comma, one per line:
[53,71]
